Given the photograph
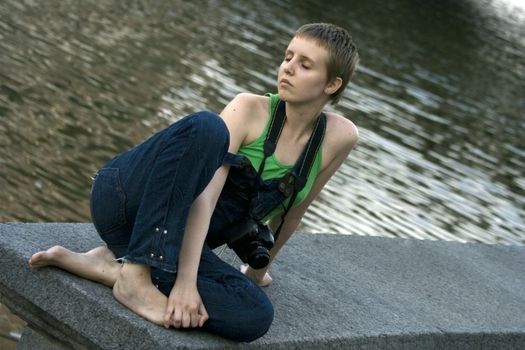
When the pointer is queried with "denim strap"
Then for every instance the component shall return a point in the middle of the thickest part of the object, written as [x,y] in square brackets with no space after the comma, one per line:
[301,170]
[235,160]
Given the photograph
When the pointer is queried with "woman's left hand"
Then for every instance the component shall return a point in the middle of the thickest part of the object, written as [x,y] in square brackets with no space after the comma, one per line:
[261,277]
[185,307]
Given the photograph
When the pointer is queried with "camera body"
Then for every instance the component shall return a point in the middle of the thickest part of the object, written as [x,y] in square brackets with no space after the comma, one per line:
[251,241]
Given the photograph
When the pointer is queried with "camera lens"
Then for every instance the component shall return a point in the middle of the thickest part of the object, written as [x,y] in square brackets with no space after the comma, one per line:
[259,258]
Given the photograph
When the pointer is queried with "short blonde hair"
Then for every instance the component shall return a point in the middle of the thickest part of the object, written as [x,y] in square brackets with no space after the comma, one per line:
[342,53]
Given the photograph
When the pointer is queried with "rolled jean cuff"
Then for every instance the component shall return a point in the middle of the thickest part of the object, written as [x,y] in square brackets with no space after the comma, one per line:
[171,268]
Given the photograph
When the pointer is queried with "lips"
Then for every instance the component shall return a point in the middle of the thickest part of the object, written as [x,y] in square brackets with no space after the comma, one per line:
[285,81]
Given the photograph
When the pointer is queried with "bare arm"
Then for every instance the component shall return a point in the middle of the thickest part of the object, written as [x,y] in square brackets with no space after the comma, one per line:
[185,307]
[197,227]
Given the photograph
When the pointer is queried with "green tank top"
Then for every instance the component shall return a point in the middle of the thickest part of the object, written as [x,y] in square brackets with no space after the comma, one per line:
[273,168]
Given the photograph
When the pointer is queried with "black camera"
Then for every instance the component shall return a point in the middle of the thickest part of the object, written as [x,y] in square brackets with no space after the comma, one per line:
[252,242]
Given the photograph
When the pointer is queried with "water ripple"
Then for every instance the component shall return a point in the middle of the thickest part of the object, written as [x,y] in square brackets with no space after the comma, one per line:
[441,151]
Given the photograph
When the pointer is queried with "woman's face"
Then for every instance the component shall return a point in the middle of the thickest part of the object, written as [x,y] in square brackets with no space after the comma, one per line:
[303,75]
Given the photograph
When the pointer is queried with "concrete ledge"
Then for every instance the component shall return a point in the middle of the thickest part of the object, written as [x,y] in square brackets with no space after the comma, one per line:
[329,291]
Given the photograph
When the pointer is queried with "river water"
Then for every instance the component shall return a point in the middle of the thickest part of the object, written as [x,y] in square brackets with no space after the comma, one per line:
[438,99]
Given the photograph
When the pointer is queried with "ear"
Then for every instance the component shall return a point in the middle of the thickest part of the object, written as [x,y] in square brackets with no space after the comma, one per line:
[333,86]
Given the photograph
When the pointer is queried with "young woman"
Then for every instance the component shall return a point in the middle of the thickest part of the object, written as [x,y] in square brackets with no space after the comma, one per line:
[162,206]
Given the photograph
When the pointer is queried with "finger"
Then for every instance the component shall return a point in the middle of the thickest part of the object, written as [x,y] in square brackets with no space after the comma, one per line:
[194,319]
[177,318]
[167,316]
[203,315]
[186,319]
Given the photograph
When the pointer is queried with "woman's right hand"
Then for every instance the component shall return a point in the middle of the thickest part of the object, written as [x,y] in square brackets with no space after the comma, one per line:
[185,307]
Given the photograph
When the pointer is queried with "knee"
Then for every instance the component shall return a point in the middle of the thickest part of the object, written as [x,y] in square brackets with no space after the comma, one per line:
[260,323]
[213,130]
[253,322]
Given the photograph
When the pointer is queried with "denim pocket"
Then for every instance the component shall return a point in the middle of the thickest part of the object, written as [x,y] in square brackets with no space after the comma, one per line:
[108,201]
[266,199]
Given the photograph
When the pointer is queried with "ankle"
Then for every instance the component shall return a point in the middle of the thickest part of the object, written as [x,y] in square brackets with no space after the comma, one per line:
[134,271]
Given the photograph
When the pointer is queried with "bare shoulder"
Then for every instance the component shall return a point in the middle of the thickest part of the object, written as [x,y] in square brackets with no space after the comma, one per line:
[341,132]
[340,137]
[242,115]
[245,104]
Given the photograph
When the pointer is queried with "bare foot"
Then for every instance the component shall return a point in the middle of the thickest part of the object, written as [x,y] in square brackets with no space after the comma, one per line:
[49,257]
[135,290]
[98,264]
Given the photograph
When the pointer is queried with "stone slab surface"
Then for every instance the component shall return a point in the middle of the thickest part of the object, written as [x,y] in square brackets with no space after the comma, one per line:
[329,292]
[33,340]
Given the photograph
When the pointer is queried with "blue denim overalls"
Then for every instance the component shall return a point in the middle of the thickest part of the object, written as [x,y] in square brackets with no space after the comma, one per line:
[140,202]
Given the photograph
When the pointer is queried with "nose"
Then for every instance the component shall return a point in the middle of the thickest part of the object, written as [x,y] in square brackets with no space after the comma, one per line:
[288,67]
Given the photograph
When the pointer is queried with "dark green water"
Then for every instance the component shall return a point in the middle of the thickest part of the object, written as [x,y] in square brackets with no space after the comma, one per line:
[438,99]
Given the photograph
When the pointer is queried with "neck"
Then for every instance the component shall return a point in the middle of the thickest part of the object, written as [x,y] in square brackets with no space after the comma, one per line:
[301,118]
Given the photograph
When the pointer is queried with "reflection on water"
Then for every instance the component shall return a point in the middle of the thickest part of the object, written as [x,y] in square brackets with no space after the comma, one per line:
[438,99]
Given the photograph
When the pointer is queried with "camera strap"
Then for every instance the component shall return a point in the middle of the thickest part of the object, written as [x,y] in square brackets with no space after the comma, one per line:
[295,180]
